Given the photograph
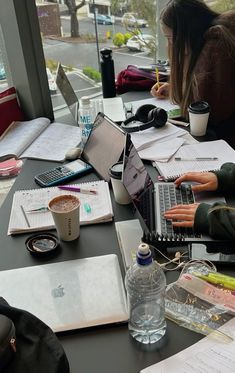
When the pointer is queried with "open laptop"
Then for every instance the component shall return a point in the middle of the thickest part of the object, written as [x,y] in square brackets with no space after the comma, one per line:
[111,107]
[71,294]
[152,199]
[104,146]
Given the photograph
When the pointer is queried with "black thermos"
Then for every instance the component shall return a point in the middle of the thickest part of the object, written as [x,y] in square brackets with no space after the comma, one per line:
[107,73]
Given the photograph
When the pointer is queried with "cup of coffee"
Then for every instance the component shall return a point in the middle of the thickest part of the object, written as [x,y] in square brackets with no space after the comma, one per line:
[120,193]
[65,210]
[199,112]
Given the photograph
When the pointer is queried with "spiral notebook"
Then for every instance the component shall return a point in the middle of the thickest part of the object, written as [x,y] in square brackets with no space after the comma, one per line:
[218,149]
[24,201]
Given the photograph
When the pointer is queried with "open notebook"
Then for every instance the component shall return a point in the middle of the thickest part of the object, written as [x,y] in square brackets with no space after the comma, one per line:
[100,203]
[69,295]
[218,149]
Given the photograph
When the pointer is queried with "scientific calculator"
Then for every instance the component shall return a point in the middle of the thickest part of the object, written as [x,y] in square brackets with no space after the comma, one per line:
[63,173]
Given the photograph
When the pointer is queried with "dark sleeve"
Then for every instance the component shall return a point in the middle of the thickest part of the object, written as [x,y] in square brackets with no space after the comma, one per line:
[217,220]
[226,178]
[215,79]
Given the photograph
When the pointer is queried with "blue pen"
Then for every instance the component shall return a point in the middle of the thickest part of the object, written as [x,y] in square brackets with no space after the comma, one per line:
[87,208]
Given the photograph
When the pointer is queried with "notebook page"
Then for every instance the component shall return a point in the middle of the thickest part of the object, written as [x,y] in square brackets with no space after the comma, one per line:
[219,149]
[54,142]
[100,207]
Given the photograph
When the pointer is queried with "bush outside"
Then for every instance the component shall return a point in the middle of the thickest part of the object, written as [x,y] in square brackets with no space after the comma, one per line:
[92,73]
[118,39]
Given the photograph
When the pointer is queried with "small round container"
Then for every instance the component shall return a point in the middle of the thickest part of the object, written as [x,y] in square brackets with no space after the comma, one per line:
[120,193]
[42,244]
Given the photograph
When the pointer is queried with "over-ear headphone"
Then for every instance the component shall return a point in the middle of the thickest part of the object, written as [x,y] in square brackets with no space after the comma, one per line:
[149,115]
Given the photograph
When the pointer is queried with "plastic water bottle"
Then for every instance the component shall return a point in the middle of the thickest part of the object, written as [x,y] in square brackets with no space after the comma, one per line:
[86,116]
[107,73]
[145,283]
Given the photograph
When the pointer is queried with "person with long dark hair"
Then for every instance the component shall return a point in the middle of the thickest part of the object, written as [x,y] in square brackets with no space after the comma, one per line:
[201,49]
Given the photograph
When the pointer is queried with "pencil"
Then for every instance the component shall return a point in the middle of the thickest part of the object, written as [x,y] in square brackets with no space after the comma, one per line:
[25,216]
[157,77]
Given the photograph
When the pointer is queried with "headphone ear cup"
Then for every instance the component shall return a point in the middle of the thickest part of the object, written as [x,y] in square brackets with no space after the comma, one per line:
[158,116]
[142,112]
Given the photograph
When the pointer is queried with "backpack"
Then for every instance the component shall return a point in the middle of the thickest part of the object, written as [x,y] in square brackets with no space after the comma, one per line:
[38,350]
[135,79]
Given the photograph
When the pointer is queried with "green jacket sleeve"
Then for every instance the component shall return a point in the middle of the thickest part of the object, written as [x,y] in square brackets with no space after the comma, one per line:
[226,178]
[217,220]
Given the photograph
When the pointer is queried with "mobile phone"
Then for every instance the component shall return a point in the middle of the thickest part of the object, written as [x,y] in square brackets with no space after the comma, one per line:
[198,251]
[63,173]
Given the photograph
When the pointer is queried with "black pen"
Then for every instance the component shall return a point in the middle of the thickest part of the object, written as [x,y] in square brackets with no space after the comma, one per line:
[196,159]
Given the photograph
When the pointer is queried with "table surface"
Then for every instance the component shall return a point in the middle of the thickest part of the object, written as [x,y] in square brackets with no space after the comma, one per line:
[102,349]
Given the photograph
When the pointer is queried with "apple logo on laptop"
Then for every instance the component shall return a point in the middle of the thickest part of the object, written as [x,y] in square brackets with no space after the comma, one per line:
[58,292]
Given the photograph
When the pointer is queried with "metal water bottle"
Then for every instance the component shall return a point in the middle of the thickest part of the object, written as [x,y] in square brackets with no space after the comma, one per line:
[107,73]
[145,284]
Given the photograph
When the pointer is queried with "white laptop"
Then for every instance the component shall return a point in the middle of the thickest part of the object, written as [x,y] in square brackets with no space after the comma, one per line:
[69,295]
[111,107]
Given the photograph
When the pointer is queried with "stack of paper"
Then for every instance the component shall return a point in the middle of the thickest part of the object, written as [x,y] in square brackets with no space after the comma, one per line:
[100,207]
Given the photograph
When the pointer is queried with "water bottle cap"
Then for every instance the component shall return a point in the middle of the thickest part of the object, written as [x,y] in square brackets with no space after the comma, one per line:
[106,53]
[144,254]
[85,100]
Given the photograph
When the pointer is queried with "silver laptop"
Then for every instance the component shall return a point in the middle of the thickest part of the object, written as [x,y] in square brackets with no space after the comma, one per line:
[69,295]
[111,107]
[152,199]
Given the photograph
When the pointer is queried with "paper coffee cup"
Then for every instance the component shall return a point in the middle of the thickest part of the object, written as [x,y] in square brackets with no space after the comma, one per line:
[199,112]
[121,195]
[65,210]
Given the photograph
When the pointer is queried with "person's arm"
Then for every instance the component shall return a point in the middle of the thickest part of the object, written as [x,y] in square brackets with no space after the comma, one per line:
[161,91]
[226,177]
[217,220]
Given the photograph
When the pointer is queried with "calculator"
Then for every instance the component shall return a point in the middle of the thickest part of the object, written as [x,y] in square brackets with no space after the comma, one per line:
[63,173]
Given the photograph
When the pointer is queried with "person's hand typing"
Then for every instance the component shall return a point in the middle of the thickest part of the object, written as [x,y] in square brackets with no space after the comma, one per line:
[207,181]
[182,215]
[161,91]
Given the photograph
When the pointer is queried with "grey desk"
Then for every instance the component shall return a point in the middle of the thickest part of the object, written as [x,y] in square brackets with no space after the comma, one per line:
[107,349]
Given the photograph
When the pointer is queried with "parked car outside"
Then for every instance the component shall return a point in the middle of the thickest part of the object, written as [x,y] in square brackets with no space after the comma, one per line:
[132,20]
[2,72]
[51,81]
[103,19]
[141,43]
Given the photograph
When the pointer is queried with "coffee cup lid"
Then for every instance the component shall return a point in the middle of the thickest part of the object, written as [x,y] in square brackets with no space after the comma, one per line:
[115,170]
[199,107]
[42,244]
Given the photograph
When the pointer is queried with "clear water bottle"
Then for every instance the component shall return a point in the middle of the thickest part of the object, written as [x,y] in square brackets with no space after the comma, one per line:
[107,73]
[86,117]
[145,284]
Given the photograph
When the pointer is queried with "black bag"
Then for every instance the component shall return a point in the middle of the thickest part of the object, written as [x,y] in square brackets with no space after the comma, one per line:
[38,350]
[7,341]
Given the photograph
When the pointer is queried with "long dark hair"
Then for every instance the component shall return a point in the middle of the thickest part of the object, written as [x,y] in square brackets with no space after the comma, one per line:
[188,20]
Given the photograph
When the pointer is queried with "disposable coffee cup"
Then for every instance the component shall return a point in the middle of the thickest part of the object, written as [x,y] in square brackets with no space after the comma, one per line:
[121,195]
[65,210]
[199,112]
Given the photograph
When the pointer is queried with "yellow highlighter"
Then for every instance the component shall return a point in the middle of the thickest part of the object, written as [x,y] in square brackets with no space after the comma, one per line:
[227,282]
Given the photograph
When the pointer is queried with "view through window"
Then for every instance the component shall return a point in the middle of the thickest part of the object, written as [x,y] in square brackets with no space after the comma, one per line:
[74,39]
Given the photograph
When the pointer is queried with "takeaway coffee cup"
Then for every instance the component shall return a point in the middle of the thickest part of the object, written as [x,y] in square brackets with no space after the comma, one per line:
[120,193]
[198,117]
[65,210]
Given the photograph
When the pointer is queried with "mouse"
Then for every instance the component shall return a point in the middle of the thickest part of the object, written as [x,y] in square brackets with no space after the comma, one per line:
[73,153]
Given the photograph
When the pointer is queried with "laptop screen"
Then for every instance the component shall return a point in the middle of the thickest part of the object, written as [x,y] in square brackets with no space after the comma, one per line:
[139,186]
[104,146]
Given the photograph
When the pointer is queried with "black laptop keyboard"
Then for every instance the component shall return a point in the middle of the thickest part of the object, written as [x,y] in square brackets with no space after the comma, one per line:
[170,196]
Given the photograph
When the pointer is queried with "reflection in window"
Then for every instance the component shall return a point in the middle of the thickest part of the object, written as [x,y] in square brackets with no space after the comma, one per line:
[5,77]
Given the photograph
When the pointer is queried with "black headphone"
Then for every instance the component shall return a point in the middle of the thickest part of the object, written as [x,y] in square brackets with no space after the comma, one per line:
[149,115]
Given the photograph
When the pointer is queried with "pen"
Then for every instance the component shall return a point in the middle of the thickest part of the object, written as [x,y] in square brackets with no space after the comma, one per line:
[39,209]
[25,216]
[77,189]
[196,159]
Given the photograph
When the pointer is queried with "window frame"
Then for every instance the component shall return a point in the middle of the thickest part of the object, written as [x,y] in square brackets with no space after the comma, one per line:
[22,38]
